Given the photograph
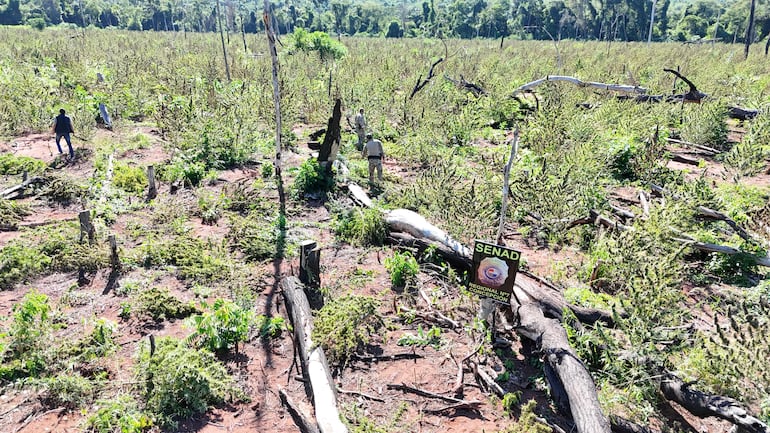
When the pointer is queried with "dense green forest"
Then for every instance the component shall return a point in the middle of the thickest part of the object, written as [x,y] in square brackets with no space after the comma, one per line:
[629,20]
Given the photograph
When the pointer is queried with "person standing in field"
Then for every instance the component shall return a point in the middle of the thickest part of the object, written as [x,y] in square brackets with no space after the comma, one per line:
[359,123]
[374,153]
[62,127]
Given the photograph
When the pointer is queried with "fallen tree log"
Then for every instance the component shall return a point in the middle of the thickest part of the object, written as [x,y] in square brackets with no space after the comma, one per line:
[580,83]
[315,370]
[702,405]
[548,296]
[723,249]
[707,151]
[693,95]
[684,159]
[467,85]
[572,375]
[17,191]
[741,113]
[300,419]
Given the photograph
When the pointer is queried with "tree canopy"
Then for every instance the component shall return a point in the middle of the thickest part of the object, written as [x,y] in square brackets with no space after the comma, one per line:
[627,20]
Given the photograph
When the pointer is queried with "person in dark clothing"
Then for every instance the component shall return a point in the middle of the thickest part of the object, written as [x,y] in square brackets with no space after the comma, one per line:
[62,127]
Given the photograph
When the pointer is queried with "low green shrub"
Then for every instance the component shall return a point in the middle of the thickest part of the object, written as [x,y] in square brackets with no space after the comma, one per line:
[185,170]
[271,327]
[244,197]
[705,124]
[67,389]
[118,415]
[527,421]
[361,227]
[158,305]
[345,324]
[197,260]
[11,165]
[99,343]
[403,268]
[19,262]
[312,179]
[222,328]
[12,213]
[27,342]
[211,205]
[255,236]
[130,178]
[431,337]
[178,381]
[63,189]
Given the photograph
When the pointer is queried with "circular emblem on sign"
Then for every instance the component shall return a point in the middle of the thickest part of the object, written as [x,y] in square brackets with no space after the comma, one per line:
[492,272]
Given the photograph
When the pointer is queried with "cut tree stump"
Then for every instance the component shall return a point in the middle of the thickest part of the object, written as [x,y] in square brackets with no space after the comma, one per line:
[152,190]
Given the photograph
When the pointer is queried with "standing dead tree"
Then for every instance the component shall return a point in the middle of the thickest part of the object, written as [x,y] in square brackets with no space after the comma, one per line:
[331,144]
[422,83]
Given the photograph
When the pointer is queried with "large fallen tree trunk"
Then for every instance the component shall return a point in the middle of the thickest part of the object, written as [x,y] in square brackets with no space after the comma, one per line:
[580,83]
[547,295]
[580,397]
[572,375]
[701,404]
[17,191]
[318,380]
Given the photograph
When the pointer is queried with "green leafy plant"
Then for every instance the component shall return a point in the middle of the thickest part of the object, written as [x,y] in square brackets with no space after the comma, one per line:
[271,327]
[327,48]
[130,178]
[97,344]
[178,381]
[158,305]
[66,389]
[403,268]
[222,328]
[11,164]
[312,179]
[11,213]
[118,415]
[28,339]
[527,421]
[211,206]
[361,227]
[345,324]
[431,337]
[511,400]
[255,236]
[19,262]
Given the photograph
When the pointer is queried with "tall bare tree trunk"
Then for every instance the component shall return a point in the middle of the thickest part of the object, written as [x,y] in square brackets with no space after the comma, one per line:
[749,30]
[276,88]
[652,20]
[222,36]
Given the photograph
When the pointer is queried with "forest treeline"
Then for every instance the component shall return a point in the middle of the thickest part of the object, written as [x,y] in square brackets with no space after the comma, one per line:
[679,20]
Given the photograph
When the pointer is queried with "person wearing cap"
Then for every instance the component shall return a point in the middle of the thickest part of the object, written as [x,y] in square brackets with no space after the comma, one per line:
[374,153]
[359,123]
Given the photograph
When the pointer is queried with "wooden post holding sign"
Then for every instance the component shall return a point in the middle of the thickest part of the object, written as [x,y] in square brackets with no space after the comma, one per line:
[494,271]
